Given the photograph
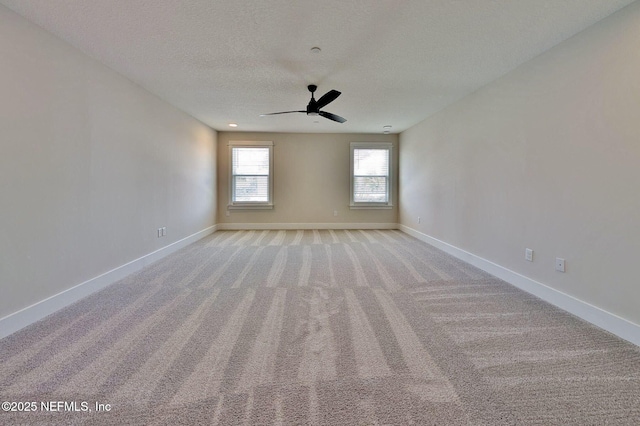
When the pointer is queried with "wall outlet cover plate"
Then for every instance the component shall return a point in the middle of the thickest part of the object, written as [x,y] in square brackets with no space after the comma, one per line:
[528,255]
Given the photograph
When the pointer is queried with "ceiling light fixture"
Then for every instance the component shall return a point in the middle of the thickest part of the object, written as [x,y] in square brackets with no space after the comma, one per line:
[386,129]
[315,50]
[233,125]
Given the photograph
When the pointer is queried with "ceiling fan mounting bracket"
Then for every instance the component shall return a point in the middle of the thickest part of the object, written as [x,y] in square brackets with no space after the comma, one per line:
[312,88]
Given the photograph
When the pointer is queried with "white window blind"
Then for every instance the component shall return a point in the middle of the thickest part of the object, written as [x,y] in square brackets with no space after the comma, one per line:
[250,174]
[370,175]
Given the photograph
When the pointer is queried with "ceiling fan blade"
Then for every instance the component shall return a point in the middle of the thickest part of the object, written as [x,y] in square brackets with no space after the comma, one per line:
[283,112]
[332,116]
[327,98]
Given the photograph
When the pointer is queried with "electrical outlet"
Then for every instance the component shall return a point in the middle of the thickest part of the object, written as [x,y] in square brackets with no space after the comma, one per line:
[164,231]
[159,232]
[528,255]
[226,213]
[335,212]
[559,264]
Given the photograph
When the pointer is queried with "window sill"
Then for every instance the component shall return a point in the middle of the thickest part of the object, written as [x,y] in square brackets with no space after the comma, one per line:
[250,207]
[371,206]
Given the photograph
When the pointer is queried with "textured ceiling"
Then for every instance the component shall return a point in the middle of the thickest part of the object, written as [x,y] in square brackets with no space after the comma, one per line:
[395,62]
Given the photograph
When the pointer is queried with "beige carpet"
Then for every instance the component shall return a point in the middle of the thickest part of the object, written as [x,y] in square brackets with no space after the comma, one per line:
[317,328]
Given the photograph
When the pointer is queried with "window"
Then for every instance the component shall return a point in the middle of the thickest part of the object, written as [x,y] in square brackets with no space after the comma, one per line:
[251,177]
[370,175]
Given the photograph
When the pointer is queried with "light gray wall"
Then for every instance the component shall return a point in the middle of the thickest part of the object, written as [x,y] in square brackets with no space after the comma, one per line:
[311,179]
[547,157]
[90,166]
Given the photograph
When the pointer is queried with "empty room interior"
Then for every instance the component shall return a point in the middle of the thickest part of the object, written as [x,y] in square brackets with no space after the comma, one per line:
[320,213]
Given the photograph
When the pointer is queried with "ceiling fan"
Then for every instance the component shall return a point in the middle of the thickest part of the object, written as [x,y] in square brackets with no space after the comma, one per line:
[313,108]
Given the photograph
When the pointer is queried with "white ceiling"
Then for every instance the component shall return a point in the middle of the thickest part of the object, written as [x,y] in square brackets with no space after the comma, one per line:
[395,62]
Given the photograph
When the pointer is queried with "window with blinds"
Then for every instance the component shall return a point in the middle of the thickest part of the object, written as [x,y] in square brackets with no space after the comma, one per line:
[251,172]
[370,174]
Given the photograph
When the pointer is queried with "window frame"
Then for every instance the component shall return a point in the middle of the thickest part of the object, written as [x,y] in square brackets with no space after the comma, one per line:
[371,205]
[249,205]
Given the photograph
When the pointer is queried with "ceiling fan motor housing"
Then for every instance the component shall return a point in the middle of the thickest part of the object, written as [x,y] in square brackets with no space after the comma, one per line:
[312,107]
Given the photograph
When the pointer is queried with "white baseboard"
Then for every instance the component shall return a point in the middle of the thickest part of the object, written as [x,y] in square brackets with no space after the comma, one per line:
[278,226]
[14,322]
[596,316]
